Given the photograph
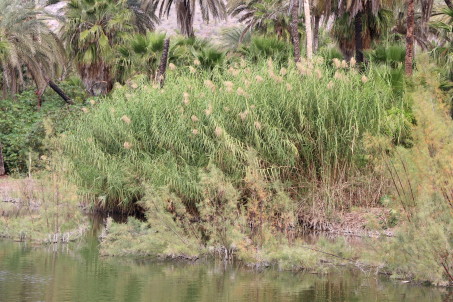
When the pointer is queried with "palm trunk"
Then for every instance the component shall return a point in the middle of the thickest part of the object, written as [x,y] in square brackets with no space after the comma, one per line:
[295,29]
[358,37]
[449,4]
[14,88]
[427,8]
[163,64]
[2,162]
[96,77]
[40,82]
[308,29]
[410,37]
[316,34]
[4,90]
[5,84]
[60,92]
[185,14]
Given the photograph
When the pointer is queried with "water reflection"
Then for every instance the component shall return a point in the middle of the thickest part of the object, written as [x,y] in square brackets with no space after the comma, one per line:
[77,273]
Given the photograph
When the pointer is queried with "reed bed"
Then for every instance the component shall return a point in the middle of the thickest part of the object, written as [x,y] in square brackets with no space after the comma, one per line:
[304,125]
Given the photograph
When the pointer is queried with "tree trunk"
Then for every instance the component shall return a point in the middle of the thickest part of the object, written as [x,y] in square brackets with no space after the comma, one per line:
[410,37]
[427,8]
[4,90]
[2,162]
[96,77]
[316,34]
[14,88]
[60,92]
[358,37]
[160,78]
[295,29]
[308,29]
[449,4]
[184,15]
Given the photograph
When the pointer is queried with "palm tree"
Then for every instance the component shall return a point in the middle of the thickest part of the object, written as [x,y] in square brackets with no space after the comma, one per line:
[261,14]
[365,20]
[185,12]
[321,9]
[258,14]
[27,47]
[358,11]
[94,28]
[141,52]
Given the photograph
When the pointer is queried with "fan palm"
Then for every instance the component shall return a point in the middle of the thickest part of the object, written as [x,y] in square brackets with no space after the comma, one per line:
[27,46]
[185,12]
[95,27]
[142,53]
[364,20]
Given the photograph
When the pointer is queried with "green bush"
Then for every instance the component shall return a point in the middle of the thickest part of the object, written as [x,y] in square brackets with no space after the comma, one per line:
[22,127]
[263,47]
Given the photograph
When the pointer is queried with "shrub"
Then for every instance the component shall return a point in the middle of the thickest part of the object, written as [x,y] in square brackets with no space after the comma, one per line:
[22,128]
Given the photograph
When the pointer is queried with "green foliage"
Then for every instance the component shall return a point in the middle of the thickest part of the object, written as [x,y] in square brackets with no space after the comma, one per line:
[263,47]
[231,38]
[293,258]
[92,32]
[330,53]
[261,15]
[443,52]
[422,178]
[422,249]
[218,209]
[140,53]
[189,51]
[394,55]
[22,125]
[94,27]
[162,235]
[28,48]
[209,57]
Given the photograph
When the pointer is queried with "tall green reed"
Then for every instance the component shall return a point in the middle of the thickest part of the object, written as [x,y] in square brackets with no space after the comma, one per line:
[306,124]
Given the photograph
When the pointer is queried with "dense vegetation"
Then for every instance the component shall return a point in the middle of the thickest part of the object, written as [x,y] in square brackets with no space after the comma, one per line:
[232,148]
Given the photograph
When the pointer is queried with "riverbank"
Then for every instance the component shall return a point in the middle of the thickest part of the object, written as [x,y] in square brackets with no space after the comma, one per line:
[42,210]
[316,253]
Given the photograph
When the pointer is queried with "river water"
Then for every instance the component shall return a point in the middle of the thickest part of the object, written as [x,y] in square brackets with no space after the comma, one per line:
[77,273]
